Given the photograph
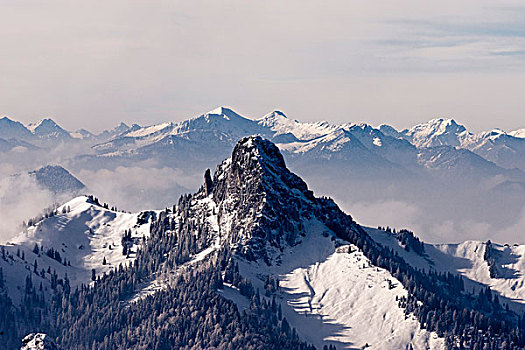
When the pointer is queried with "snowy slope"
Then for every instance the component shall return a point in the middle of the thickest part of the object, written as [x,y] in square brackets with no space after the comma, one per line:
[499,147]
[518,133]
[82,235]
[339,298]
[468,259]
[281,125]
[205,139]
[459,163]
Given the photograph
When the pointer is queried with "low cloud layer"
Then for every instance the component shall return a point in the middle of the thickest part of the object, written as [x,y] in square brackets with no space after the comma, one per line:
[20,199]
[137,188]
[435,228]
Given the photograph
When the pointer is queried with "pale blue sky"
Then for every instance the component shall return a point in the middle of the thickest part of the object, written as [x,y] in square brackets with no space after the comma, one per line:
[92,64]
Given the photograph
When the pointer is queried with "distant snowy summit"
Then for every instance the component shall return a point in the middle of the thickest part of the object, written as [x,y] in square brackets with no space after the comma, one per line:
[48,133]
[440,147]
[504,149]
[359,148]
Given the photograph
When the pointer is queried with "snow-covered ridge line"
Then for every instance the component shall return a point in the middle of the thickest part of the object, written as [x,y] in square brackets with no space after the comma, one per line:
[83,240]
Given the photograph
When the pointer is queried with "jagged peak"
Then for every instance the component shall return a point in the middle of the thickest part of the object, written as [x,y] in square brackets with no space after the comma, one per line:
[46,125]
[256,147]
[363,126]
[273,115]
[260,201]
[255,163]
[390,131]
[45,122]
[439,126]
[441,120]
[224,111]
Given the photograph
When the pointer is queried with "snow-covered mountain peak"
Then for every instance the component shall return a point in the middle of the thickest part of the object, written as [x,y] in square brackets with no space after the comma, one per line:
[47,128]
[44,124]
[82,134]
[439,126]
[272,117]
[367,128]
[263,206]
[224,112]
[437,132]
[280,124]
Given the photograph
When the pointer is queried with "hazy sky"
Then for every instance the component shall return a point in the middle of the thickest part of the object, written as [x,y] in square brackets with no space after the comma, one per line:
[94,63]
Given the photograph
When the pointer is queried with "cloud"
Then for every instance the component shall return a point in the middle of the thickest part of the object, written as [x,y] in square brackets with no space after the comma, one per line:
[20,199]
[391,213]
[139,188]
[433,227]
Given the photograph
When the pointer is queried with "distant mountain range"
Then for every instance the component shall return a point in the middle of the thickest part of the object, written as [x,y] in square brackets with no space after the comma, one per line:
[360,146]
[47,133]
[426,166]
[219,129]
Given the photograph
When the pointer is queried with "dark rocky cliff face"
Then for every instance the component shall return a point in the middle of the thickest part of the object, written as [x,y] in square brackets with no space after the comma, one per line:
[261,204]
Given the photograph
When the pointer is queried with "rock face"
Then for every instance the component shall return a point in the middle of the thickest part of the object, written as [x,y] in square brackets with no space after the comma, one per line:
[261,204]
[38,341]
[207,182]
